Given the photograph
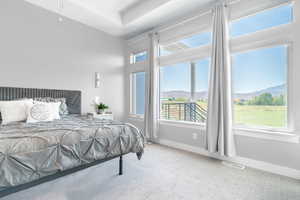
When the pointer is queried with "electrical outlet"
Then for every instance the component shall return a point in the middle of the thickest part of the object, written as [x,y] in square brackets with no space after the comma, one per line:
[195,136]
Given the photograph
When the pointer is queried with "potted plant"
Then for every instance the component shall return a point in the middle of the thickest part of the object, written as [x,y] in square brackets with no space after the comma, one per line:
[101,108]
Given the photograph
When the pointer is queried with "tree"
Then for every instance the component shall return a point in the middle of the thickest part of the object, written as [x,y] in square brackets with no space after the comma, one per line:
[279,101]
[263,99]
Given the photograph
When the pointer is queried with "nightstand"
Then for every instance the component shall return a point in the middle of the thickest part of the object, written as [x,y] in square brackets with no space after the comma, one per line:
[104,116]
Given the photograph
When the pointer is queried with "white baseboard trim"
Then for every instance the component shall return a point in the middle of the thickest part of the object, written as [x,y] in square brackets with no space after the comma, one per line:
[264,166]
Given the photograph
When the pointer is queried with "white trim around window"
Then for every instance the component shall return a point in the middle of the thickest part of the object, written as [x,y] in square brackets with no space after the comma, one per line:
[274,36]
[267,38]
[192,54]
[280,136]
[136,117]
[133,93]
[182,124]
[290,104]
[134,47]
[242,9]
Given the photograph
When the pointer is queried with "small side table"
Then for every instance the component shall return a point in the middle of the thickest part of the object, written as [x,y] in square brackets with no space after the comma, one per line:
[104,116]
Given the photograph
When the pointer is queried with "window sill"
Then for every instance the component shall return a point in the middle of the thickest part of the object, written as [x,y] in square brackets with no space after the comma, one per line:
[136,117]
[277,135]
[182,124]
[282,136]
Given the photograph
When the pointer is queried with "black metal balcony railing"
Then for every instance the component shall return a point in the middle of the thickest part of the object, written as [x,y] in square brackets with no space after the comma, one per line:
[189,111]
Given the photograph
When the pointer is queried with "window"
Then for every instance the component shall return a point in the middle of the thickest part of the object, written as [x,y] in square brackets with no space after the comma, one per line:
[138,57]
[259,75]
[183,91]
[187,43]
[138,93]
[260,87]
[262,20]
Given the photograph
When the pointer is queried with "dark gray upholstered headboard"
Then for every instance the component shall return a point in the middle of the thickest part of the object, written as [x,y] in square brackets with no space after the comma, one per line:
[73,97]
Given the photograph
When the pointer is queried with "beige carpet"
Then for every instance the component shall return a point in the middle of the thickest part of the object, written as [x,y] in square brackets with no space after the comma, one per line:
[165,174]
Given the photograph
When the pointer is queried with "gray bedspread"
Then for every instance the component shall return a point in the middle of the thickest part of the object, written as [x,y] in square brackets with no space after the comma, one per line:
[31,151]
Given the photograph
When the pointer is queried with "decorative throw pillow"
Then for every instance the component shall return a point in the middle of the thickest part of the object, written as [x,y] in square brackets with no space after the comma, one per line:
[14,111]
[54,107]
[63,110]
[39,112]
[63,106]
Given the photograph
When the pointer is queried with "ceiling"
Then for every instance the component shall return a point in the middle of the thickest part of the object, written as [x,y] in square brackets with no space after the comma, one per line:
[125,18]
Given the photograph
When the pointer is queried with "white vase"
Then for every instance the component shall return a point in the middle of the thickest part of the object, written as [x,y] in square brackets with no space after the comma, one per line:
[101,111]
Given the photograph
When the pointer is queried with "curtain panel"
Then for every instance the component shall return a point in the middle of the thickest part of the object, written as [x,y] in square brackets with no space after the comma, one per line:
[219,134]
[152,91]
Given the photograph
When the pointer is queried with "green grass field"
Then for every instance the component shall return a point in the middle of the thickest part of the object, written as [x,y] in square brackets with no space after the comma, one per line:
[253,115]
[274,116]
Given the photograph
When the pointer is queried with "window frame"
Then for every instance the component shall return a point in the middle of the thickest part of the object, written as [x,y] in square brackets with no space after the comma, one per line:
[135,47]
[188,55]
[289,122]
[267,38]
[132,55]
[202,124]
[277,35]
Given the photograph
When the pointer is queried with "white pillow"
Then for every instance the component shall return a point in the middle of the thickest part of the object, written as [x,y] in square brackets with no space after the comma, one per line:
[43,112]
[39,112]
[55,109]
[14,111]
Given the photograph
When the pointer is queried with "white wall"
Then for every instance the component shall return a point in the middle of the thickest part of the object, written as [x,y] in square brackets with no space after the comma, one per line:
[36,50]
[277,150]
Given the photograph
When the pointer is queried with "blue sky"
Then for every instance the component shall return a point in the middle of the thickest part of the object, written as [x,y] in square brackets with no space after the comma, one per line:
[262,20]
[259,69]
[177,77]
[140,90]
[252,71]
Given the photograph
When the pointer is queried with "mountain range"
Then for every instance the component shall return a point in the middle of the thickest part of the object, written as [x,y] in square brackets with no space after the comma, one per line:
[275,91]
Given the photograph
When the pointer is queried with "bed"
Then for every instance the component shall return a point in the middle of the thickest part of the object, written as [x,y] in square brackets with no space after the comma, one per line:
[31,154]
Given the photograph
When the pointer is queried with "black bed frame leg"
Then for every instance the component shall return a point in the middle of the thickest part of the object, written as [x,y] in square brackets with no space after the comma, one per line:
[121,165]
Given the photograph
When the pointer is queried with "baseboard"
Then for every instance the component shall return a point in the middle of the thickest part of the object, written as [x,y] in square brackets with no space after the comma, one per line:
[264,166]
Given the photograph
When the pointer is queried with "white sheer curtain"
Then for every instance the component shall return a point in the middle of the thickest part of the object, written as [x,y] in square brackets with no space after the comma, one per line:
[152,91]
[219,134]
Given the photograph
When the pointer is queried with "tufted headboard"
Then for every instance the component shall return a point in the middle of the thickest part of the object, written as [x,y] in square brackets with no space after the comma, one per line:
[73,98]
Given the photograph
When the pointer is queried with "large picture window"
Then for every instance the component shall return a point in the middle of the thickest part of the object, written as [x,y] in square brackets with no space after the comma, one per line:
[184,91]
[259,71]
[260,87]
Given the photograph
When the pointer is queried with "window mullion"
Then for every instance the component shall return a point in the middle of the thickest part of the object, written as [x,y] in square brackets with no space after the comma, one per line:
[193,81]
